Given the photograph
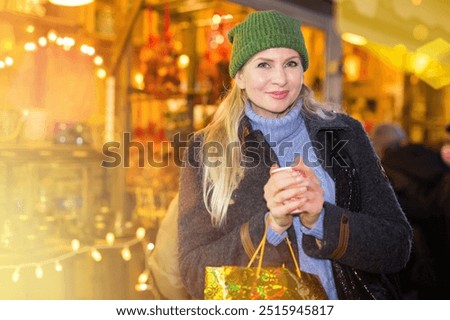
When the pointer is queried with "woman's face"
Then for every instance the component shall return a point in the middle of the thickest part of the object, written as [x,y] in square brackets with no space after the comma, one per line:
[272,80]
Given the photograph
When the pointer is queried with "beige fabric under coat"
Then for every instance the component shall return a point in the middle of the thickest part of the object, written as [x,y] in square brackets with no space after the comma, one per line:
[163,261]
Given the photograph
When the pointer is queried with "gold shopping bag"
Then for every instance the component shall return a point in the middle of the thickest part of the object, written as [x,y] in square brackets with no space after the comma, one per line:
[258,283]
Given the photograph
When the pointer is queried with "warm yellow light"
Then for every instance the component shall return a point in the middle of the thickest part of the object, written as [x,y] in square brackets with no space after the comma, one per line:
[75,244]
[98,61]
[90,51]
[126,254]
[70,3]
[52,36]
[9,61]
[16,275]
[139,79]
[58,266]
[68,42]
[352,67]
[219,39]
[101,73]
[42,41]
[39,272]
[216,19]
[354,39]
[141,287]
[110,238]
[30,46]
[96,255]
[183,61]
[30,28]
[140,233]
[150,246]
[2,64]
[421,61]
[143,277]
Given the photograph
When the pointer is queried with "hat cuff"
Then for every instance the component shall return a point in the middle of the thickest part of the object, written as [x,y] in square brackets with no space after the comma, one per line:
[250,49]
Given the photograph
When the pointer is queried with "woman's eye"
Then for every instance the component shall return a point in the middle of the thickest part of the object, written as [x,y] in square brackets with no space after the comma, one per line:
[263,65]
[292,64]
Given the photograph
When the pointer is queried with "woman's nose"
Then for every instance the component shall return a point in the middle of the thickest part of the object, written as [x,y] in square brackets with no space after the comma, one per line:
[279,76]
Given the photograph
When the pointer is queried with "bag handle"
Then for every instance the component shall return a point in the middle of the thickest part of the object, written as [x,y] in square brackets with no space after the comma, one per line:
[260,250]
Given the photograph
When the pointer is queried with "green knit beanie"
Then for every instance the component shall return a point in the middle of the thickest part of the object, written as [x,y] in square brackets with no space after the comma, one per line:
[263,30]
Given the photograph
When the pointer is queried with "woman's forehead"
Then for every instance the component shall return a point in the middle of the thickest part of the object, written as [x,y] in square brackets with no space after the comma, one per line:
[276,53]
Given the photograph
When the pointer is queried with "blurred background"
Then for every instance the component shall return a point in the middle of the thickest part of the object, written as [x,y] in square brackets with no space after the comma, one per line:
[96,98]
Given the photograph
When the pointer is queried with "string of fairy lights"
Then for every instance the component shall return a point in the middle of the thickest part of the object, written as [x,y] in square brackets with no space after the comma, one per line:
[56,262]
[95,251]
[52,37]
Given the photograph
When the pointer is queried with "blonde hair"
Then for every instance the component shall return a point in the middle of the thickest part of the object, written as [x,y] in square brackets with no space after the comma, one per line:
[220,181]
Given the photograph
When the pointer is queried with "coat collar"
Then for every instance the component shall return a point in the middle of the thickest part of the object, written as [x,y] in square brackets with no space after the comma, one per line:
[314,123]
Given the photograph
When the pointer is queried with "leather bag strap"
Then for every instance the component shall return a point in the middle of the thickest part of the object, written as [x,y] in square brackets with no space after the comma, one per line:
[249,247]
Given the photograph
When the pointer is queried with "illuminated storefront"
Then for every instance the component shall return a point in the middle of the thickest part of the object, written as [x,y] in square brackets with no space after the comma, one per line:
[396,65]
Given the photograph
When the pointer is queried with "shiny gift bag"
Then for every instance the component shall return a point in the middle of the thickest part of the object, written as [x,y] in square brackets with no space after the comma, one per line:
[243,283]
[258,283]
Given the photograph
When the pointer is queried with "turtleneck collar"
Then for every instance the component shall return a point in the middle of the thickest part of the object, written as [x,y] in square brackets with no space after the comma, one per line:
[278,129]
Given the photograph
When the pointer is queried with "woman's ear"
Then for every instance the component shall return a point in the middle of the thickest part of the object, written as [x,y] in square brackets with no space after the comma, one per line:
[239,78]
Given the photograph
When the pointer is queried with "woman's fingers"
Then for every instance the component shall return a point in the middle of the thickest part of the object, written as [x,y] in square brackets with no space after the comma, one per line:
[280,181]
[293,190]
[290,194]
[282,214]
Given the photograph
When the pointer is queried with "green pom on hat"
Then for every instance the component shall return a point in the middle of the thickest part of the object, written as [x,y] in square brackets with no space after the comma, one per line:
[263,30]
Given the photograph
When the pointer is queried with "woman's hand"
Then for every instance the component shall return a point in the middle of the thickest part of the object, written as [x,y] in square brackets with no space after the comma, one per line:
[313,196]
[293,190]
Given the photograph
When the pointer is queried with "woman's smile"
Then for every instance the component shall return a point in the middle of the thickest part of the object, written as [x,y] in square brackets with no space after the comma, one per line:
[279,95]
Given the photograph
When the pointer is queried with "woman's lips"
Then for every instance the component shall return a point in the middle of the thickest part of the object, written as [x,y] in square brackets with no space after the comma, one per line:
[279,95]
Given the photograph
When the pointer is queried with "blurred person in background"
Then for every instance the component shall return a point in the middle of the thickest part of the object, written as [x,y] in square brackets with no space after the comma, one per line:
[417,173]
[442,203]
[388,136]
[445,149]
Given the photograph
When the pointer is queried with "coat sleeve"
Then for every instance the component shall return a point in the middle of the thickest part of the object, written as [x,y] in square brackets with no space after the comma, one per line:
[200,243]
[378,238]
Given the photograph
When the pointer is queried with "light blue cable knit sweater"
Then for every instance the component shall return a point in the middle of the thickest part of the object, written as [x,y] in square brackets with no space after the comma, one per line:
[289,138]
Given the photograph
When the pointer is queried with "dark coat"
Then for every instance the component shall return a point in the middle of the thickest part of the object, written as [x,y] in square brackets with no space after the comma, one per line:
[421,181]
[366,230]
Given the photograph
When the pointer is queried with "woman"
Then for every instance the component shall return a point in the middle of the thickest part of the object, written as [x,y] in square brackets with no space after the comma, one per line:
[334,203]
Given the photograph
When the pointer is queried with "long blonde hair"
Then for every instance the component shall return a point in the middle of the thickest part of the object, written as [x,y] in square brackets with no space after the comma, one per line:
[219,181]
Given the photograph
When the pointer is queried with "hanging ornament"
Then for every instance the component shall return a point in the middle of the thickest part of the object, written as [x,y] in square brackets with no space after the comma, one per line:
[159,60]
[147,51]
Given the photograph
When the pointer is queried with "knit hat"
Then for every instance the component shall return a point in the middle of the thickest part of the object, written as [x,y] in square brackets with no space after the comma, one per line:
[263,30]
